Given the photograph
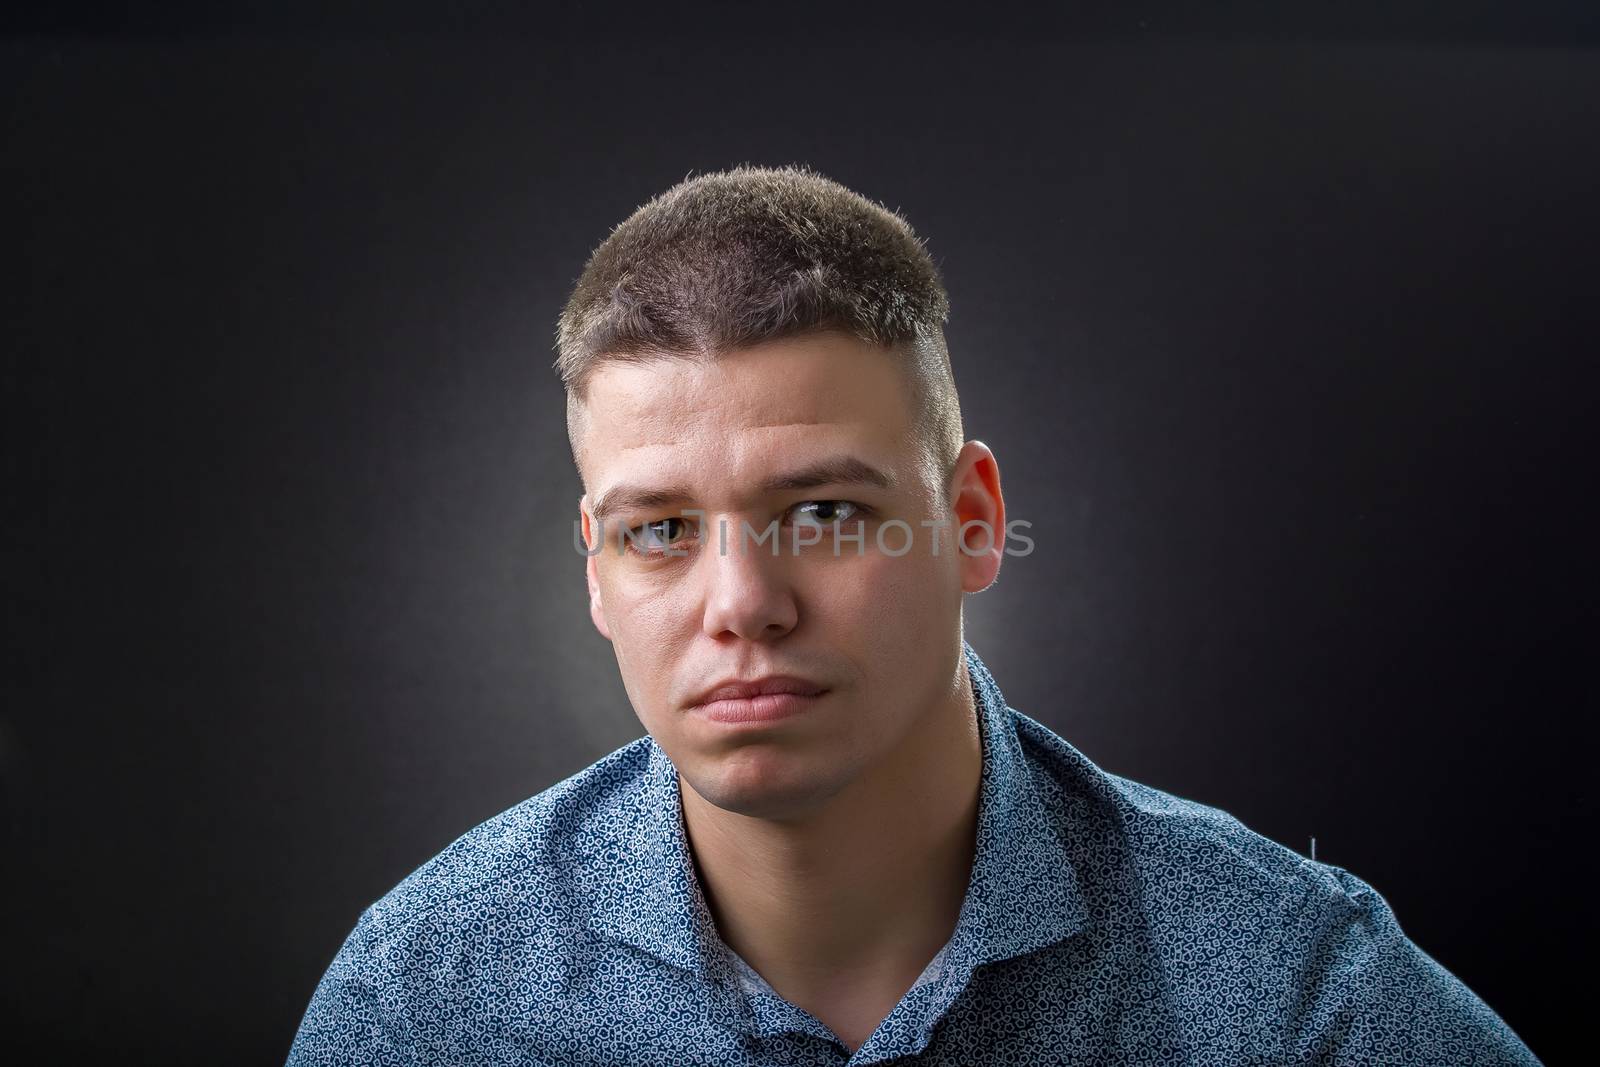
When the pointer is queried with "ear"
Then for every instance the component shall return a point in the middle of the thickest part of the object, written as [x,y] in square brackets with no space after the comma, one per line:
[980,516]
[591,569]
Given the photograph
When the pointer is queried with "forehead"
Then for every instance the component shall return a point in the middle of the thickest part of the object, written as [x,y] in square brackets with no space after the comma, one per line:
[726,422]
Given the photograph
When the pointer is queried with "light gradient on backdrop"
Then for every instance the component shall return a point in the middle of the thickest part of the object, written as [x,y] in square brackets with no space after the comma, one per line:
[1276,344]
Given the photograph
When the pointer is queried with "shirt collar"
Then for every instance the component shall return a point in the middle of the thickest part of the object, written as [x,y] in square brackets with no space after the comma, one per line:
[647,894]
[1022,895]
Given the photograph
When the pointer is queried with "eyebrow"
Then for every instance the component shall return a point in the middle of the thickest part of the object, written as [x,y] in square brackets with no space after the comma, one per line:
[836,470]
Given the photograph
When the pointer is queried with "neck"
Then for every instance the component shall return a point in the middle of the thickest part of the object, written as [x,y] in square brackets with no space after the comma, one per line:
[849,903]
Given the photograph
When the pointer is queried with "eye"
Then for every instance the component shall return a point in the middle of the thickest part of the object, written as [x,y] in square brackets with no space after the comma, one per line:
[653,539]
[826,512]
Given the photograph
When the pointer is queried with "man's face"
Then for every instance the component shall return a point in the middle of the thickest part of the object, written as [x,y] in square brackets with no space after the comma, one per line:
[879,632]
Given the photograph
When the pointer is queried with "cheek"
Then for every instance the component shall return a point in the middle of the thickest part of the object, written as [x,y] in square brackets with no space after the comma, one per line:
[646,606]
[649,625]
[887,601]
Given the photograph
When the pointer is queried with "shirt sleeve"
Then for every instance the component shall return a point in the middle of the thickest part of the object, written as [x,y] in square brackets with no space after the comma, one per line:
[1368,994]
[347,1023]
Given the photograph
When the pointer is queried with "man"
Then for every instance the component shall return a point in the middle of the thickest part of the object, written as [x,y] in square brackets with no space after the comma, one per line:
[837,842]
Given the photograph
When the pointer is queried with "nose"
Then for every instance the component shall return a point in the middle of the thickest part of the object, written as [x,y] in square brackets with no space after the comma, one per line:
[747,590]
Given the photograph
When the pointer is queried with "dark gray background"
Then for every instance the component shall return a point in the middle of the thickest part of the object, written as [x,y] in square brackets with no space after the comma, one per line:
[1281,332]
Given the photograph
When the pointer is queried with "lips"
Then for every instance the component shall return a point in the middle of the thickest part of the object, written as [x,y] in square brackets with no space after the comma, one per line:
[772,685]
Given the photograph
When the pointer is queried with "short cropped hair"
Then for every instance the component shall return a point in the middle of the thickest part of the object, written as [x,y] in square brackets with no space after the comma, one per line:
[735,258]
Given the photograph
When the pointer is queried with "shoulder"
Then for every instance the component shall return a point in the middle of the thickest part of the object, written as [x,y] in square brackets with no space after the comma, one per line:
[488,922]
[1171,842]
[530,858]
[1315,953]
[1189,875]
[1365,991]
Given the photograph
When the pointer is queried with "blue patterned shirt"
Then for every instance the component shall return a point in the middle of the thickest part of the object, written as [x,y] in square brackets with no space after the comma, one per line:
[1104,922]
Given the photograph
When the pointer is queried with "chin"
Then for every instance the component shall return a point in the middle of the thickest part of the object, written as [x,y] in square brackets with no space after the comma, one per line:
[766,785]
